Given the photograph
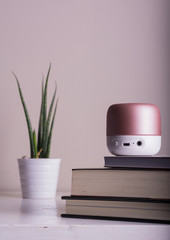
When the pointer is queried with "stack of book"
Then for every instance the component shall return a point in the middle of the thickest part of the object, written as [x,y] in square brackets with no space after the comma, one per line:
[127,188]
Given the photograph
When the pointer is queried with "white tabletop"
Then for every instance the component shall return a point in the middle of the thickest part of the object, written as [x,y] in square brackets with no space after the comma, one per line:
[40,219]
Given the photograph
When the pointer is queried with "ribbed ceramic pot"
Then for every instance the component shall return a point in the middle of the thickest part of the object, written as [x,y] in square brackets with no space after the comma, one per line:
[39,177]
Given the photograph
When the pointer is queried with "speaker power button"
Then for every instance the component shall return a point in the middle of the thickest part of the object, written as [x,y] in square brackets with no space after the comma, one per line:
[115,143]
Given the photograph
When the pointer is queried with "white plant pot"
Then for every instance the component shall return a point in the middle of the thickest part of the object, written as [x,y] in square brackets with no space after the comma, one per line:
[39,177]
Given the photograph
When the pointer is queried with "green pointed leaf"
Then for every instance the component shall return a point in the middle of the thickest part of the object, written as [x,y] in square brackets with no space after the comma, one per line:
[45,113]
[40,125]
[50,133]
[35,143]
[49,119]
[32,152]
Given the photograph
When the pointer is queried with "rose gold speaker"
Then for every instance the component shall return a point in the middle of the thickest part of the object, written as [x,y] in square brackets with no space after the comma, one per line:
[133,129]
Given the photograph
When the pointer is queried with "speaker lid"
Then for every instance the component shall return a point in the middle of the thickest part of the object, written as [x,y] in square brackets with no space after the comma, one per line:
[133,119]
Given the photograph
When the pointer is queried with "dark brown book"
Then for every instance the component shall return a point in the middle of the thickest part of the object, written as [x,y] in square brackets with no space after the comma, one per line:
[156,162]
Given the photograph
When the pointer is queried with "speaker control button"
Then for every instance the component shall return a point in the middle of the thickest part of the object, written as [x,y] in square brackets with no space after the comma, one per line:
[115,143]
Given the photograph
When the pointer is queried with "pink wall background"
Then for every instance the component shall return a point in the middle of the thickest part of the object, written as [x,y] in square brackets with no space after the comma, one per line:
[102,52]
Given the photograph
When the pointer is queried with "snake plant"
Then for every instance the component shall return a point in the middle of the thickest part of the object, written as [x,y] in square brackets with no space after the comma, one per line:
[40,144]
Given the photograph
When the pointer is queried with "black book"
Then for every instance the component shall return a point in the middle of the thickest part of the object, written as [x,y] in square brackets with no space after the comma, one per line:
[118,208]
[160,162]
